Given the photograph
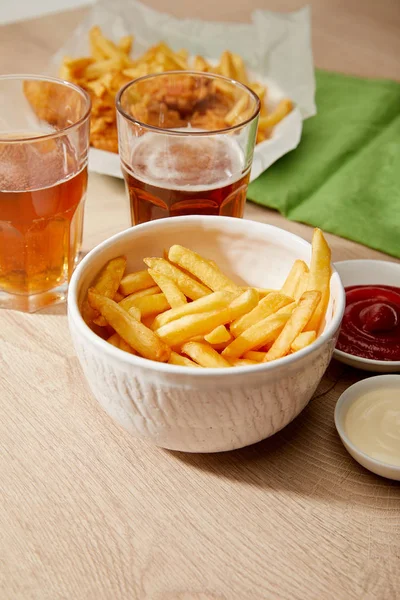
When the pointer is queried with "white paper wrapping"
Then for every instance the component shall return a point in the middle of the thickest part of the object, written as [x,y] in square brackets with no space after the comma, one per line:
[276,47]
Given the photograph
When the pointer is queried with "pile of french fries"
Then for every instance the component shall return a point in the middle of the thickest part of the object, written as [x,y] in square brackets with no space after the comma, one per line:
[183,310]
[110,66]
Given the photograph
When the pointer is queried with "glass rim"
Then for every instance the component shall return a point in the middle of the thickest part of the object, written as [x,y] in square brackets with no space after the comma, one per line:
[167,131]
[83,93]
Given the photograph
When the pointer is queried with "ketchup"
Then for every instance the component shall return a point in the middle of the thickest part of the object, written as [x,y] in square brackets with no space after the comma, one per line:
[371,322]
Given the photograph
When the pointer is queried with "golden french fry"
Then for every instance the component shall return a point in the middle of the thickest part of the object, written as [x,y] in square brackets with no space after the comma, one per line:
[200,64]
[189,286]
[182,330]
[95,50]
[125,347]
[139,337]
[187,327]
[182,361]
[236,111]
[242,362]
[267,306]
[212,302]
[255,355]
[109,278]
[301,286]
[118,297]
[243,304]
[205,355]
[219,335]
[125,44]
[134,311]
[262,292]
[284,107]
[106,284]
[114,340]
[134,282]
[226,65]
[129,301]
[319,277]
[151,305]
[297,271]
[169,288]
[295,325]
[201,268]
[258,89]
[256,336]
[303,339]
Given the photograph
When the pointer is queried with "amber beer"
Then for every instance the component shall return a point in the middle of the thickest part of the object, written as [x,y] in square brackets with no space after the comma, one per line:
[185,175]
[40,223]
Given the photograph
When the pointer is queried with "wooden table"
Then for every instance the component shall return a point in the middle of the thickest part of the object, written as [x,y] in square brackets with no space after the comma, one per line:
[90,513]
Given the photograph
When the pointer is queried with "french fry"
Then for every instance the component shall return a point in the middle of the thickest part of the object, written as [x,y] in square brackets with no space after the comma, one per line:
[284,107]
[219,335]
[126,347]
[255,355]
[302,286]
[184,329]
[106,284]
[189,286]
[212,302]
[242,362]
[240,69]
[298,270]
[114,340]
[267,306]
[256,336]
[125,44]
[295,325]
[319,277]
[205,355]
[151,305]
[201,268]
[118,297]
[200,64]
[262,292]
[134,312]
[169,288]
[139,337]
[243,304]
[129,301]
[303,340]
[226,65]
[182,361]
[134,282]
[235,113]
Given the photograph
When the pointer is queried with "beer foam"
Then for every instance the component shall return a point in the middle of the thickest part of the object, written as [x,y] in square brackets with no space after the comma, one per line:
[190,163]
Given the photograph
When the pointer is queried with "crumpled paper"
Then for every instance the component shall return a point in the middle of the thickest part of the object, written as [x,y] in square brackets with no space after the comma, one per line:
[275,46]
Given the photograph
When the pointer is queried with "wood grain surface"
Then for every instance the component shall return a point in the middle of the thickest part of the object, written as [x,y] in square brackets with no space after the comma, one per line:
[89,513]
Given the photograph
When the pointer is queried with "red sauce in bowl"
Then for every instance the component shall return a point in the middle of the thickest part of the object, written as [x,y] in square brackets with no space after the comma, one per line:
[371,322]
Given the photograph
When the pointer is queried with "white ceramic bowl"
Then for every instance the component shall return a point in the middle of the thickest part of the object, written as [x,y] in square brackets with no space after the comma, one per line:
[368,272]
[203,410]
[343,405]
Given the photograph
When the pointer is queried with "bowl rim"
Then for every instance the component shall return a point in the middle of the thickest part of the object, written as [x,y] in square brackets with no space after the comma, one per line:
[339,354]
[116,353]
[345,398]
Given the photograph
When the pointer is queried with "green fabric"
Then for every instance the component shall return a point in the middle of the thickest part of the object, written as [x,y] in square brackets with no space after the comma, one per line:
[345,174]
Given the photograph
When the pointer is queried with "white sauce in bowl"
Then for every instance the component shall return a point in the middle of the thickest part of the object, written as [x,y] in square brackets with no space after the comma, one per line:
[372,424]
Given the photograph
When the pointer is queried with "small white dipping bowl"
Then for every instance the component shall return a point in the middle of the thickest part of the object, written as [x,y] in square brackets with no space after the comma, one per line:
[368,272]
[342,406]
[192,409]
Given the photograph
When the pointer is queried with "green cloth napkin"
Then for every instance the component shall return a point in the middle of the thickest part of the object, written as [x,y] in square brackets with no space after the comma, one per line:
[345,174]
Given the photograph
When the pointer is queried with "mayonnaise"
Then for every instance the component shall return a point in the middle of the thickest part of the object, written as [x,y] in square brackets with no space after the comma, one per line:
[372,424]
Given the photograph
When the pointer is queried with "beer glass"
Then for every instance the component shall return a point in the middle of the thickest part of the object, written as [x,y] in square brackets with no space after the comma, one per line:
[44,139]
[186,142]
